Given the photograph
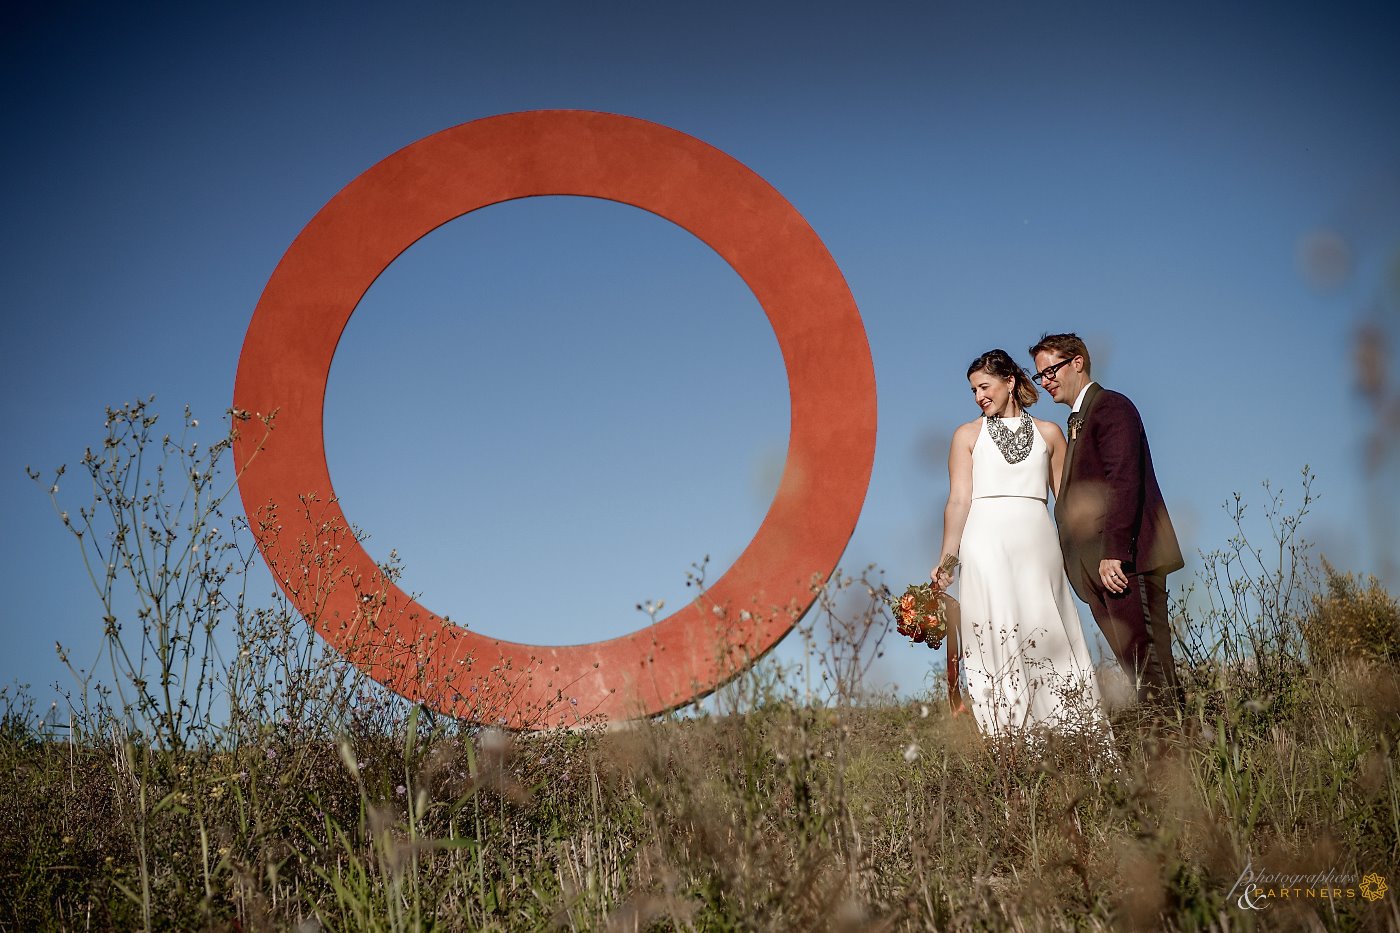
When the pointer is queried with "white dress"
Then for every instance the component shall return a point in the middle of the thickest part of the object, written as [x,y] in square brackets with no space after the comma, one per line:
[1024,654]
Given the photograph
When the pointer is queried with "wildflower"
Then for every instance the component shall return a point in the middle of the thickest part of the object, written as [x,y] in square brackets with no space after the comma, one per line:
[911,752]
[400,790]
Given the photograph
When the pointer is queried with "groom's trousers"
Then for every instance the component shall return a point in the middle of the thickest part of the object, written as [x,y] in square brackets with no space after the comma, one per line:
[1137,628]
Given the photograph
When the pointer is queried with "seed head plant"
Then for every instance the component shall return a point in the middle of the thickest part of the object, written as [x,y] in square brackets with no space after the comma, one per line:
[220,766]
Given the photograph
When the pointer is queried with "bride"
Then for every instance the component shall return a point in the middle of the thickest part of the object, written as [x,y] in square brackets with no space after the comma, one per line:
[1022,646]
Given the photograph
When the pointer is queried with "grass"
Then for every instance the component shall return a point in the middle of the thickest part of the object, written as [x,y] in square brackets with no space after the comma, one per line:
[782,818]
[296,796]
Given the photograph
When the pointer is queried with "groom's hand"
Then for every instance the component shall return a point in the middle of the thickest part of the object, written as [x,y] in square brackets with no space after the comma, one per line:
[1114,578]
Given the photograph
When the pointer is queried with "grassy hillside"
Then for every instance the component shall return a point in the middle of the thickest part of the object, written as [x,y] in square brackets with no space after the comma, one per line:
[277,790]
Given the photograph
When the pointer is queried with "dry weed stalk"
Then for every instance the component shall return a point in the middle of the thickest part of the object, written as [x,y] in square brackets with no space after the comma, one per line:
[289,790]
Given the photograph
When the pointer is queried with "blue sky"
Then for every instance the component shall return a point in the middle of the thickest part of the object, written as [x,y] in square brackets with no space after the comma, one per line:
[577,398]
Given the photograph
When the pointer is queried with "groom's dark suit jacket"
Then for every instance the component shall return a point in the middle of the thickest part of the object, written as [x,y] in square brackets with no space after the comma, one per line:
[1109,504]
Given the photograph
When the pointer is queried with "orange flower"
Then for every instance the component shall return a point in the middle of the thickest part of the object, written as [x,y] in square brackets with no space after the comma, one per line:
[918,614]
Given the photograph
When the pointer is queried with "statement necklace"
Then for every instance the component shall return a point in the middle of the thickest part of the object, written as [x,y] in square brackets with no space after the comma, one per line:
[1015,446]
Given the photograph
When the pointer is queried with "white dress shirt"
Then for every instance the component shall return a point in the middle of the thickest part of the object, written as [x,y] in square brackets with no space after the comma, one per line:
[1079,401]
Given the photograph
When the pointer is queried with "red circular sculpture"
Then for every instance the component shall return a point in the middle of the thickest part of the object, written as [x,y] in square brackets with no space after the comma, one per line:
[285,481]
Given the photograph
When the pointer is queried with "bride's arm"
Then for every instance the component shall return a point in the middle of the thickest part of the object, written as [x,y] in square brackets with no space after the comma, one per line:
[1055,440]
[959,493]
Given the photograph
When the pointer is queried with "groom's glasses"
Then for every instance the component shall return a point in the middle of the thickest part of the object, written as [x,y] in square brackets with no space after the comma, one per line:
[1049,371]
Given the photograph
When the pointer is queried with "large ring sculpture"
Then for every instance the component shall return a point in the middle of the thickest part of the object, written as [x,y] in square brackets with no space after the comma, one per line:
[285,363]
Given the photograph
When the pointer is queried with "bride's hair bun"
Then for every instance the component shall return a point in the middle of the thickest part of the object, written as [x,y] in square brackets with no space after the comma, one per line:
[999,363]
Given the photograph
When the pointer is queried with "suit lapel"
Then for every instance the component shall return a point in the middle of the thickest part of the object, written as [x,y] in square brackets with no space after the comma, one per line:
[1084,410]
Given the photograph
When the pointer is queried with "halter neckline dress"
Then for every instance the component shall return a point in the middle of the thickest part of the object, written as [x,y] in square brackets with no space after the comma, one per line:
[1025,658]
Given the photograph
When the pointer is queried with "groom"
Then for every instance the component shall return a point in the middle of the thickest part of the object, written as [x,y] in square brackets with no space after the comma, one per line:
[1114,530]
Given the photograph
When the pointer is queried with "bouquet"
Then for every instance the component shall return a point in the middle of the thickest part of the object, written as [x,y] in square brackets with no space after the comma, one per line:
[921,614]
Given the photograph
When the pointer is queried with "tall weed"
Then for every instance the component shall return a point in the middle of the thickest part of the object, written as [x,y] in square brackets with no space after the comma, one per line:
[264,784]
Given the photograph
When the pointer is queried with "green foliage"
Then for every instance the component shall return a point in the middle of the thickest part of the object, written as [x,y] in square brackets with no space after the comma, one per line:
[801,802]
[1352,621]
